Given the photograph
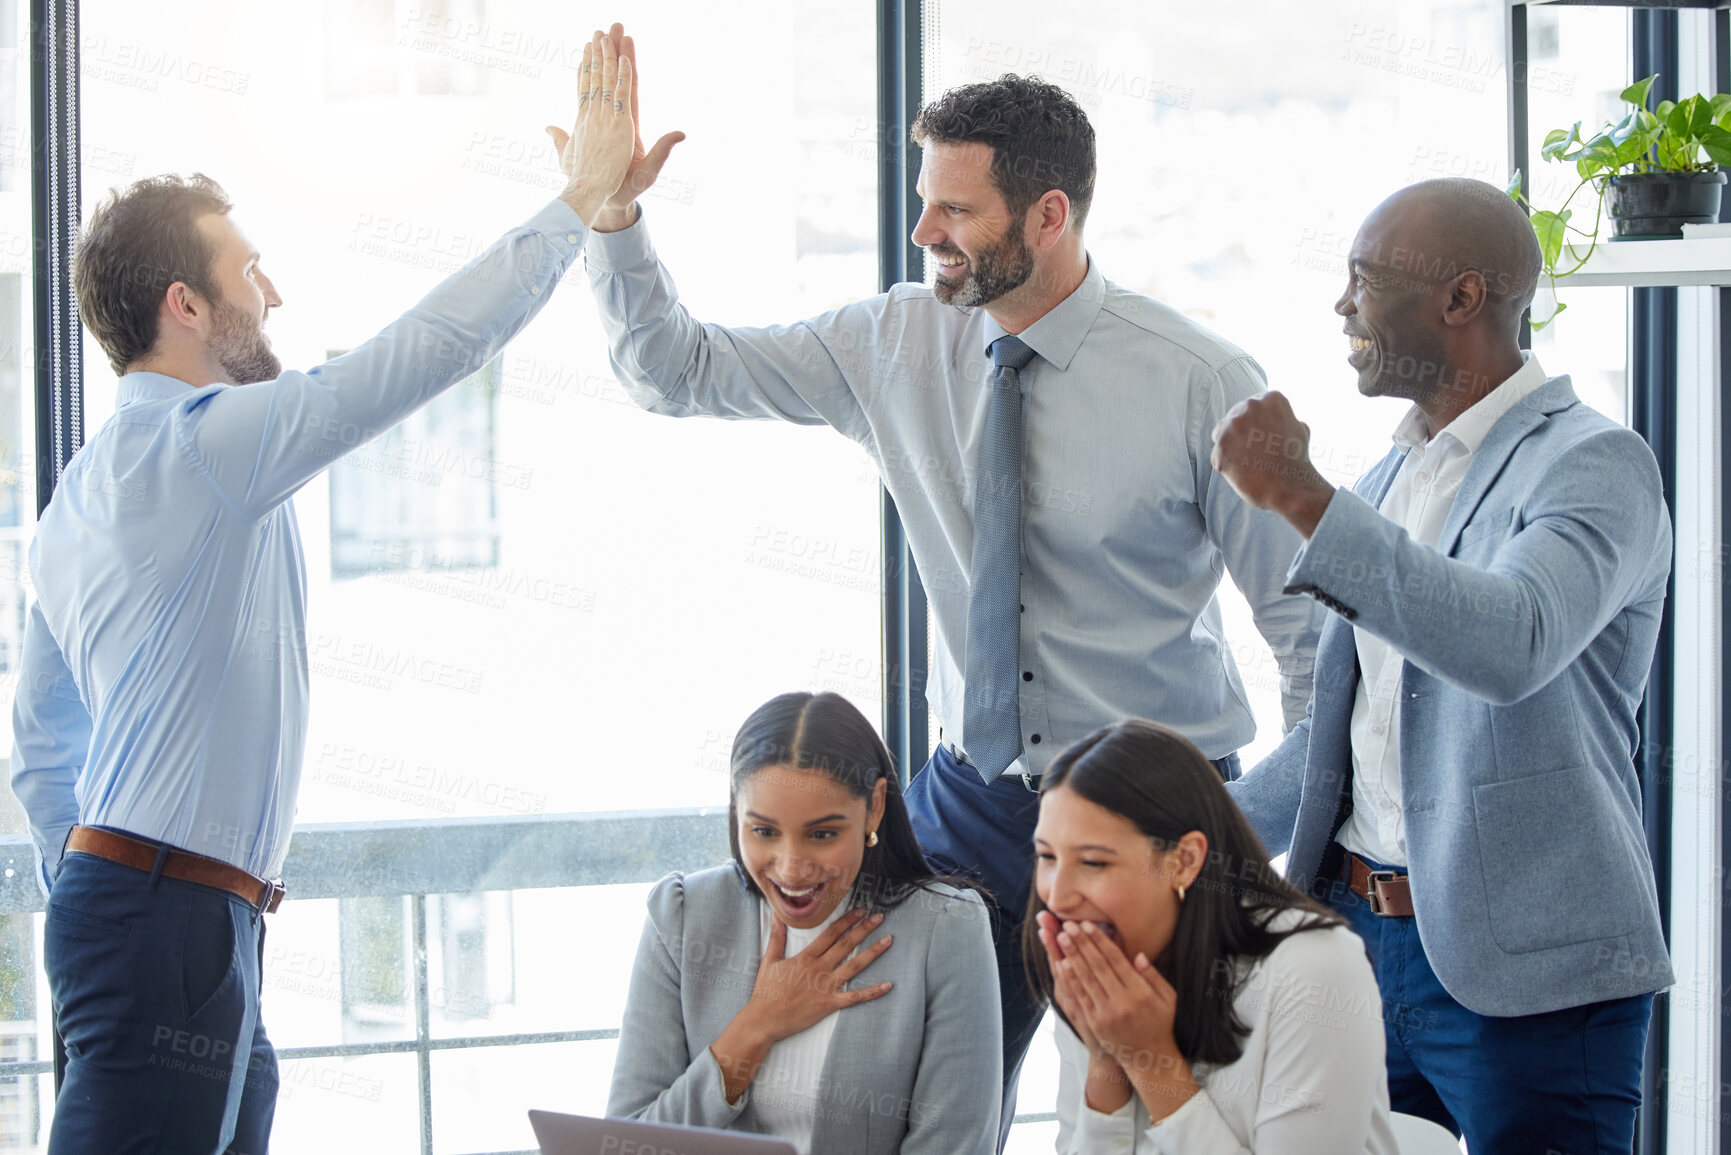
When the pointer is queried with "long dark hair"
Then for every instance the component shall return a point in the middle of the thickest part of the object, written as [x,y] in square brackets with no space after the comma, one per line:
[826,733]
[1155,778]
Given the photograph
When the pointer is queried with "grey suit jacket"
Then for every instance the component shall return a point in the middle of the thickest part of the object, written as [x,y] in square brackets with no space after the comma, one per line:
[916,1071]
[1528,633]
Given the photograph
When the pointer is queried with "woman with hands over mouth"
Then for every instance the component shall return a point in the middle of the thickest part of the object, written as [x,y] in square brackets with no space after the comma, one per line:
[825,987]
[1207,1006]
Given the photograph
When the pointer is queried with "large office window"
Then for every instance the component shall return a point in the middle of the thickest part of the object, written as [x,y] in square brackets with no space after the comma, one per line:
[533,598]
[558,602]
[23,1101]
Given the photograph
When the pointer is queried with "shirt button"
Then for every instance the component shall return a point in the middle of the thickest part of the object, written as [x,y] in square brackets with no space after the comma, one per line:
[1034,738]
[571,237]
[1021,609]
[1027,675]
[1423,479]
[1379,729]
[536,289]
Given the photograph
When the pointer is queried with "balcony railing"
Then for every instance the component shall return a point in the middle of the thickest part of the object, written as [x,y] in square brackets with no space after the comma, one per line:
[418,858]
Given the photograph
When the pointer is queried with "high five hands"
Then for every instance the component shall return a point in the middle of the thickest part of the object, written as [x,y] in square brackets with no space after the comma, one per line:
[1123,1011]
[1263,450]
[607,105]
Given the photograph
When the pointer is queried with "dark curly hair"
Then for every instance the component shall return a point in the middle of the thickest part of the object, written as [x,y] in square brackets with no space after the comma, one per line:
[1040,137]
[136,244]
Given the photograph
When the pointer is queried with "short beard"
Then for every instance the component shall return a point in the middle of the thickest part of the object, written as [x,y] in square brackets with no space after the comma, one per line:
[1002,268]
[241,347]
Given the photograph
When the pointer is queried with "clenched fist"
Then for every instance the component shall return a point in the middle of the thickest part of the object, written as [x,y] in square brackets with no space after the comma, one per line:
[1263,449]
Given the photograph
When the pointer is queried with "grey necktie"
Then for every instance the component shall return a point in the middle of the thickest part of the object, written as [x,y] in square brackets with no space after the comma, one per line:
[991,714]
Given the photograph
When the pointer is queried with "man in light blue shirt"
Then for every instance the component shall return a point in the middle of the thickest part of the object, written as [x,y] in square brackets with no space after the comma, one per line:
[162,704]
[1125,531]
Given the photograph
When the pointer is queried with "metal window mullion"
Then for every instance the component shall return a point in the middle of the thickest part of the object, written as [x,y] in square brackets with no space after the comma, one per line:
[423,1021]
[1653,413]
[55,214]
[1652,355]
[905,634]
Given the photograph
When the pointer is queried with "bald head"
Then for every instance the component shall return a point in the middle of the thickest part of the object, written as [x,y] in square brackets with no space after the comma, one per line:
[1438,229]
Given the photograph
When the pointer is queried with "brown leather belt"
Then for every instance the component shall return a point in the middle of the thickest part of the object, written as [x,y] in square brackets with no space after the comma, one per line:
[265,895]
[1388,891]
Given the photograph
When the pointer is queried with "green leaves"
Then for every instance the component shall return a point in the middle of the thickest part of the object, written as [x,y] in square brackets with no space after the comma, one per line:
[1671,137]
[1551,228]
[1636,93]
[1537,324]
[1716,142]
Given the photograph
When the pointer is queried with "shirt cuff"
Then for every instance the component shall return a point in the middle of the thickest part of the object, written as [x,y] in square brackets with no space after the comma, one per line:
[615,252]
[721,1086]
[559,223]
[1196,1126]
[49,855]
[1098,1131]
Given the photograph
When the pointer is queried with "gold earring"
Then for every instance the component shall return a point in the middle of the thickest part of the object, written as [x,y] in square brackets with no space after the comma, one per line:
[1180,893]
[872,838]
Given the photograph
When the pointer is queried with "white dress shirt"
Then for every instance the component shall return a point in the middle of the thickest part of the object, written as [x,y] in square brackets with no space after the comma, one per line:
[787,1090]
[1311,1078]
[1418,502]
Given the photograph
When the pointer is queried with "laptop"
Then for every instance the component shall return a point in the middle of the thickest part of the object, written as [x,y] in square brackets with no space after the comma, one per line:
[581,1135]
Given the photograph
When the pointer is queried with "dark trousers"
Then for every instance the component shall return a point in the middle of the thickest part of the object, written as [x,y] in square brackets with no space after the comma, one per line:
[1564,1082]
[155,987]
[986,831]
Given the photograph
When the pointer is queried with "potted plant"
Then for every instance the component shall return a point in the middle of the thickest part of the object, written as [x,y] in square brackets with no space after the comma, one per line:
[1655,170]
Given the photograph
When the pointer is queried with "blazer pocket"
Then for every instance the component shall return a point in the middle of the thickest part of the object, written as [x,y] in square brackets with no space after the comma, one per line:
[1556,867]
[1495,523]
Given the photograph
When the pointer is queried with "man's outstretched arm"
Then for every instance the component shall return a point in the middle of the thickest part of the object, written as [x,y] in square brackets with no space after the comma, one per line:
[261,443]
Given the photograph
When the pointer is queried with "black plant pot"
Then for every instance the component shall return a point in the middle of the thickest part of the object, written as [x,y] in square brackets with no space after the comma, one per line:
[1658,204]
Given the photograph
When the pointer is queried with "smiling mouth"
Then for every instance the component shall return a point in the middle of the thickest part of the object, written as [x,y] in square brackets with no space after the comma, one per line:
[950,264]
[798,903]
[1359,344]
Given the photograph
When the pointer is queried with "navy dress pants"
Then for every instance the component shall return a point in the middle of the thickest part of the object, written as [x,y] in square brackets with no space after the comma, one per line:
[1565,1082]
[155,987]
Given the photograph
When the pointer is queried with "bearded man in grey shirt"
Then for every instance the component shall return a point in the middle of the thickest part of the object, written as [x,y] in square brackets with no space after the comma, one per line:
[1088,595]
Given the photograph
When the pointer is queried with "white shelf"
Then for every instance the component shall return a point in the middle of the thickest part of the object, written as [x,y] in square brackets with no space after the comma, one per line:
[1707,4]
[1703,261]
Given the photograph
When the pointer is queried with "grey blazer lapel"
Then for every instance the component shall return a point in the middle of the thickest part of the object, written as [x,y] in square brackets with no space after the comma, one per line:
[728,935]
[1494,452]
[848,1113]
[1328,770]
[1373,486]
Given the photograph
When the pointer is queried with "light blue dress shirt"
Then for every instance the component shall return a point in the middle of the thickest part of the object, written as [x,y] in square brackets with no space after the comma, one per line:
[163,688]
[1127,529]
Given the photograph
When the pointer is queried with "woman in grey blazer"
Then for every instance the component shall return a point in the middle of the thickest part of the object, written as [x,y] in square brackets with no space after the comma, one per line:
[741,1014]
